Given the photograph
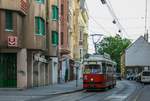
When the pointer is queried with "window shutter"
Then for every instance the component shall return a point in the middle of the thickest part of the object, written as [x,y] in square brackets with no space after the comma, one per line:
[39,26]
[9,20]
[54,12]
[54,38]
[43,27]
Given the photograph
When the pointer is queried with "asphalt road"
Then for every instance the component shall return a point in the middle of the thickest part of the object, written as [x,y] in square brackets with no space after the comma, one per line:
[121,92]
[142,93]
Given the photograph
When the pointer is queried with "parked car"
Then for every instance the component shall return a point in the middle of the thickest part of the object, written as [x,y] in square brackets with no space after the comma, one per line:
[118,76]
[138,77]
[130,77]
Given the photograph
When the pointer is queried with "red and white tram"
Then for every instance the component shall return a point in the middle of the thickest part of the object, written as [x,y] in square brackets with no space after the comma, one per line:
[98,72]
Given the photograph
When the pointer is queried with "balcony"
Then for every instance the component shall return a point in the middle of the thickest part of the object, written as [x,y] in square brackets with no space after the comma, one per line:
[64,50]
[16,5]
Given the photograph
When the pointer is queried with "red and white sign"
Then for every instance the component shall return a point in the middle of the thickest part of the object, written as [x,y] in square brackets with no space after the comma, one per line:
[12,41]
[24,5]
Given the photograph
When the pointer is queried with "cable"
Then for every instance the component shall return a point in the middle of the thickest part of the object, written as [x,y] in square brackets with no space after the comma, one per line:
[101,27]
[110,8]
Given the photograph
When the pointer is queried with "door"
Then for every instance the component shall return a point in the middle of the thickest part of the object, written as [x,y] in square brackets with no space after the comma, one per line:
[8,70]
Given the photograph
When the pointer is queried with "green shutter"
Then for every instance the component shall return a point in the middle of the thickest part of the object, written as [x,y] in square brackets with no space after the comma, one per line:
[54,38]
[43,27]
[54,12]
[9,20]
[40,1]
[40,26]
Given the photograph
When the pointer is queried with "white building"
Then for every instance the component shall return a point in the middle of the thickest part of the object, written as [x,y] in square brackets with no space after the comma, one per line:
[137,56]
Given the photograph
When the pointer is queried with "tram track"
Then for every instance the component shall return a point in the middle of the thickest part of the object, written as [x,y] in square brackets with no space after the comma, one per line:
[84,95]
[45,97]
[137,93]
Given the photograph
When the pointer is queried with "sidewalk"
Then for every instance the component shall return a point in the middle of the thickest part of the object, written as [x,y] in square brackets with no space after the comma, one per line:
[45,90]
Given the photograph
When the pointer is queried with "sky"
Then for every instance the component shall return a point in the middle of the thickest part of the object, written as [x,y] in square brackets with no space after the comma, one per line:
[130,13]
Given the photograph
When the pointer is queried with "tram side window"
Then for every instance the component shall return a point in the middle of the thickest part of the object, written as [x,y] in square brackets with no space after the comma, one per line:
[110,70]
[104,67]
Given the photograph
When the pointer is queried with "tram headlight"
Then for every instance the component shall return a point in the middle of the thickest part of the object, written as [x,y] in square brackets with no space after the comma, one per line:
[92,79]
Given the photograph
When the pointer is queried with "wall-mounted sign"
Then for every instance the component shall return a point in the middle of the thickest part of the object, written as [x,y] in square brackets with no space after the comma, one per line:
[12,41]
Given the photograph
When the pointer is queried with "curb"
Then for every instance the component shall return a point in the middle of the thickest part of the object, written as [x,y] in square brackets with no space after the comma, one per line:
[67,92]
[46,94]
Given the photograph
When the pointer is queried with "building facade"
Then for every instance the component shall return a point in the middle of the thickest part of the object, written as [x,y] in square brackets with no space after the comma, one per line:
[53,38]
[136,57]
[40,41]
[28,43]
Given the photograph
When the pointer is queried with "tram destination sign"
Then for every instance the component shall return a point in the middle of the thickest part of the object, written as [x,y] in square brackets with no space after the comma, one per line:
[92,62]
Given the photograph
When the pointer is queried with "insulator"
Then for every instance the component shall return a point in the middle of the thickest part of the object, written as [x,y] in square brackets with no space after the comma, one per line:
[103,1]
[119,31]
[114,21]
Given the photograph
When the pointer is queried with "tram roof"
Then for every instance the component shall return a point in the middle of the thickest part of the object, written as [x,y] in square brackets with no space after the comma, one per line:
[98,57]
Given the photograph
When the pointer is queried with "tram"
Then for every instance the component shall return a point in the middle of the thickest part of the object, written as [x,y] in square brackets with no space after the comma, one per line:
[98,72]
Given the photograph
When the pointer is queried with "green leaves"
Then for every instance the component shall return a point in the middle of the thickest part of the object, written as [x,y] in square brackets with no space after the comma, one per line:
[113,46]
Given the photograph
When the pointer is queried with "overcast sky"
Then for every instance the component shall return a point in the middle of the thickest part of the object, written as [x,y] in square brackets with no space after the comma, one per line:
[131,14]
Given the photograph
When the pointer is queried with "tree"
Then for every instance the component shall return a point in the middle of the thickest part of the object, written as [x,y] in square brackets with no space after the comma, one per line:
[113,46]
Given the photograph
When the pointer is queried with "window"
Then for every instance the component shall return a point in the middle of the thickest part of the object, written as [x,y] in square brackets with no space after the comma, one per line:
[55,38]
[62,9]
[92,69]
[40,1]
[54,12]
[39,26]
[9,20]
[80,54]
[104,68]
[62,38]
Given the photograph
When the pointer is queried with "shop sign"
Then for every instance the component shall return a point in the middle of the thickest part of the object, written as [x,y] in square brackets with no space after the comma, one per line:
[12,41]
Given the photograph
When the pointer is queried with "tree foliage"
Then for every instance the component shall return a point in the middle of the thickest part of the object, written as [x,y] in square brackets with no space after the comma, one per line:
[113,46]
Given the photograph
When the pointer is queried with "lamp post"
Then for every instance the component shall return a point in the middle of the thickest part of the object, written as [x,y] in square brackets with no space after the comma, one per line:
[77,65]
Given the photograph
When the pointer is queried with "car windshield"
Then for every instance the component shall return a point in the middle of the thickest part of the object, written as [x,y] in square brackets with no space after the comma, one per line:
[92,69]
[146,73]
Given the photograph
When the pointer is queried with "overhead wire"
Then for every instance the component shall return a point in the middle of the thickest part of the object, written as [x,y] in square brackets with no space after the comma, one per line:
[110,8]
[100,26]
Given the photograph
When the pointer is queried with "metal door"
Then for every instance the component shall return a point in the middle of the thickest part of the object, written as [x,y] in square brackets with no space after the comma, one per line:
[8,70]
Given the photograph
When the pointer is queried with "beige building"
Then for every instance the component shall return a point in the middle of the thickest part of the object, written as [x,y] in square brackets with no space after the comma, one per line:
[83,22]
[122,65]
[28,43]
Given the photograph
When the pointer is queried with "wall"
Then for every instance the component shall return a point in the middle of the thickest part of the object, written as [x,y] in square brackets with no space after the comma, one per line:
[138,54]
[22,69]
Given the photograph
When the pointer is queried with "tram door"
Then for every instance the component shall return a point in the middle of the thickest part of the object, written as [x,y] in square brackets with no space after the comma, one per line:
[8,70]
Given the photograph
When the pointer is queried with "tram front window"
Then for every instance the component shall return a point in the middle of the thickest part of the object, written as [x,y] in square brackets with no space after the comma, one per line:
[92,69]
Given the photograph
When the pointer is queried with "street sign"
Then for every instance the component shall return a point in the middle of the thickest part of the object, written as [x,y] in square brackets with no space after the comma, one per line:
[12,41]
